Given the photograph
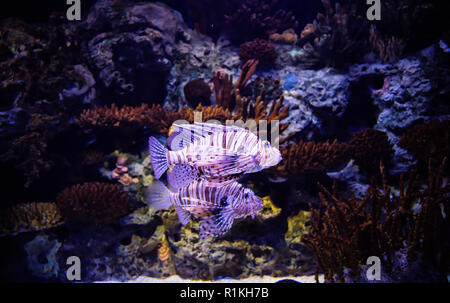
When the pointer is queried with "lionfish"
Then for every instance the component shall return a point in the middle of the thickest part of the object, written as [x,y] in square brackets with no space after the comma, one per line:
[216,206]
[214,152]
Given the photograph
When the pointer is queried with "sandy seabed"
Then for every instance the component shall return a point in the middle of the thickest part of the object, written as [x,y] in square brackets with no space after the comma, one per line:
[178,279]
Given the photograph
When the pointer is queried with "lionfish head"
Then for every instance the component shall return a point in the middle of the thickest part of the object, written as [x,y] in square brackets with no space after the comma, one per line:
[270,156]
[252,203]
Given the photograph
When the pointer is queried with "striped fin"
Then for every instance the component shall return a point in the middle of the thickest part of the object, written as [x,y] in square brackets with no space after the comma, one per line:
[181,175]
[158,157]
[181,137]
[157,196]
[183,215]
[215,225]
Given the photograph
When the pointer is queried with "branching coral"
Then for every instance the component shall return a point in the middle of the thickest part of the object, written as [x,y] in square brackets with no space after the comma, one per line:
[259,49]
[94,203]
[369,147]
[334,38]
[347,230]
[259,19]
[223,85]
[28,153]
[387,49]
[159,119]
[155,117]
[42,61]
[406,26]
[312,157]
[428,141]
[30,217]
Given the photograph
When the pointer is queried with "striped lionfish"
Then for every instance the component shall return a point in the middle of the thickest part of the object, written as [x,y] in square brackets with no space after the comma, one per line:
[215,152]
[216,206]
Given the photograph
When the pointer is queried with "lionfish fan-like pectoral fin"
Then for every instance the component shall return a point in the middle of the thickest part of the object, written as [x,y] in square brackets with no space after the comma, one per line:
[181,175]
[183,215]
[157,196]
[158,157]
[216,225]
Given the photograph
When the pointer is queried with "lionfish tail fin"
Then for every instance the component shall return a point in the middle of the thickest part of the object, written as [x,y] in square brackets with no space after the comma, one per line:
[158,157]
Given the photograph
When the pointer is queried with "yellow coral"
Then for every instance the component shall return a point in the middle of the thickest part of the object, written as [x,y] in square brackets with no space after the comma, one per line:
[297,227]
[30,217]
[269,210]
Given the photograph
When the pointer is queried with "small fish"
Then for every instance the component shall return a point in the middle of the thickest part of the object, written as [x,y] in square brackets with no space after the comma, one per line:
[216,150]
[216,205]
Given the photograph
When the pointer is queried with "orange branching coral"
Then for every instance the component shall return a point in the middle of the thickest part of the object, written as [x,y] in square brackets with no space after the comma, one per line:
[311,157]
[428,141]
[369,147]
[223,84]
[164,251]
[257,110]
[388,50]
[94,203]
[347,230]
[247,71]
[154,117]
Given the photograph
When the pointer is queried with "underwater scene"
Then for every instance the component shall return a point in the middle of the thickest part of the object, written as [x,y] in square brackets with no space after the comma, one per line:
[225,141]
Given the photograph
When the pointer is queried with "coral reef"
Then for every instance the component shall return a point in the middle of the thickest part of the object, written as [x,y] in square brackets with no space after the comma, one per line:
[287,37]
[259,49]
[388,50]
[258,19]
[28,153]
[346,231]
[428,141]
[406,26]
[94,203]
[197,92]
[334,38]
[30,217]
[312,157]
[369,147]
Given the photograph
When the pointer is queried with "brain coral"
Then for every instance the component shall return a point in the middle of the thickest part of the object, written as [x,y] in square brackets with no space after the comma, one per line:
[94,203]
[197,92]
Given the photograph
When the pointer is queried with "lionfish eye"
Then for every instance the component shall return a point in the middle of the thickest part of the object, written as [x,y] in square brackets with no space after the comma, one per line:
[246,196]
[266,144]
